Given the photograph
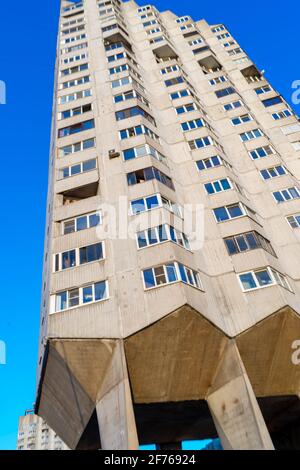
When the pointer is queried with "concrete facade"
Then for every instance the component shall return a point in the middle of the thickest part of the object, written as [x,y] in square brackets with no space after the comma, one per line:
[164,343]
[35,434]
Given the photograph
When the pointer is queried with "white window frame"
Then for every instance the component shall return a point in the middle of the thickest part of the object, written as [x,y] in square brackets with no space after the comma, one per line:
[81,304]
[218,80]
[251,135]
[163,202]
[74,219]
[243,208]
[73,146]
[295,221]
[282,114]
[219,181]
[232,107]
[81,164]
[264,147]
[274,168]
[149,150]
[281,191]
[240,118]
[178,275]
[169,238]
[273,273]
[75,96]
[77,257]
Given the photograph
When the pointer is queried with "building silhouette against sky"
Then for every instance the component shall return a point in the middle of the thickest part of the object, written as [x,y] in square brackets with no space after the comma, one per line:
[155,329]
[35,434]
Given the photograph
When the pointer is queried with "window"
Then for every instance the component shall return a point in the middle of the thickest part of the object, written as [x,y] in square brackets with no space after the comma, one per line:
[171,68]
[113,58]
[273,172]
[282,114]
[78,256]
[225,92]
[187,26]
[81,296]
[294,220]
[121,82]
[241,119]
[194,42]
[261,278]
[137,130]
[67,50]
[233,105]
[75,111]
[180,94]
[235,51]
[218,186]
[75,69]
[73,39]
[246,242]
[263,89]
[217,80]
[272,101]
[119,69]
[230,212]
[217,29]
[75,128]
[78,168]
[75,96]
[223,36]
[81,222]
[296,145]
[200,143]
[147,174]
[141,151]
[78,147]
[186,108]
[182,19]
[149,23]
[129,95]
[286,194]
[250,135]
[161,234]
[200,49]
[78,81]
[210,162]
[261,152]
[114,45]
[154,30]
[134,111]
[228,44]
[174,81]
[170,273]
[153,202]
[74,58]
[194,124]
[75,29]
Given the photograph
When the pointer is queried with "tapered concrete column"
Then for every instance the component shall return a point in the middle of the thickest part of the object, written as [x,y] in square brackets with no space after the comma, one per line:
[234,408]
[115,408]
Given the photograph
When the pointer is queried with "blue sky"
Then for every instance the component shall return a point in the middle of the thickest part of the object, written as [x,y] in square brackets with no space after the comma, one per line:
[267,33]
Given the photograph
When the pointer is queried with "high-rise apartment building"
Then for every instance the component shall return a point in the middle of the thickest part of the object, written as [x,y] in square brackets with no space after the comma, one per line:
[35,434]
[155,329]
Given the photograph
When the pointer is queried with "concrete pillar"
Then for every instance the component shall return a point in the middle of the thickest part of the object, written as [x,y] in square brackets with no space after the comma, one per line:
[234,408]
[115,408]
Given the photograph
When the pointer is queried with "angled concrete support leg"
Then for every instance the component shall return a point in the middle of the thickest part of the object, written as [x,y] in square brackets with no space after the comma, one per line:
[115,408]
[234,407]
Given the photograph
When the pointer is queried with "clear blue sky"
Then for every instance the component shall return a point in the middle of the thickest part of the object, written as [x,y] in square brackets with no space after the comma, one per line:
[267,32]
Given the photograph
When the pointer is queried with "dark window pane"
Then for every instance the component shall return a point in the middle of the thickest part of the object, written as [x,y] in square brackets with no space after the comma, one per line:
[231,246]
[101,291]
[81,223]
